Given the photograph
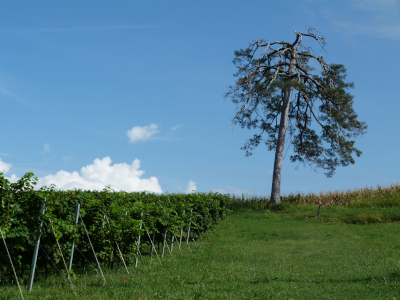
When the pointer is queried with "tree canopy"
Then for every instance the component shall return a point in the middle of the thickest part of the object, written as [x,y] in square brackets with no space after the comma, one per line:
[283,86]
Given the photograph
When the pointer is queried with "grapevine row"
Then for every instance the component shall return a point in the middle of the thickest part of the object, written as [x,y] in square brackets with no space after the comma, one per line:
[111,218]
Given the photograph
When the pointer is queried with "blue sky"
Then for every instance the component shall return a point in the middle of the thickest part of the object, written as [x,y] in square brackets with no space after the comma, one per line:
[131,93]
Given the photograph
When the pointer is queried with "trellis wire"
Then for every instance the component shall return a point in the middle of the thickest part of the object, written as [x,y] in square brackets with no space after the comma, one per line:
[2,275]
[198,231]
[180,239]
[165,243]
[118,248]
[152,249]
[90,263]
[94,253]
[62,256]
[170,251]
[152,243]
[12,265]
[173,237]
[50,259]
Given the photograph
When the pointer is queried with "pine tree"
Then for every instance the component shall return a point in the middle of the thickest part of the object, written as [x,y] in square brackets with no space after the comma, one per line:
[279,91]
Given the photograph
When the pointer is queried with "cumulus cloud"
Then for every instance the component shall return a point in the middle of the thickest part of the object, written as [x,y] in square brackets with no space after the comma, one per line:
[121,177]
[191,187]
[96,176]
[4,167]
[139,133]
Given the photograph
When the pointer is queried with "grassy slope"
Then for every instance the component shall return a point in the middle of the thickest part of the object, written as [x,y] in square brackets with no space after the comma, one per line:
[259,255]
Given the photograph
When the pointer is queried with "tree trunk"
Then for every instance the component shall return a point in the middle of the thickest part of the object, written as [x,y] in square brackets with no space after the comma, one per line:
[276,179]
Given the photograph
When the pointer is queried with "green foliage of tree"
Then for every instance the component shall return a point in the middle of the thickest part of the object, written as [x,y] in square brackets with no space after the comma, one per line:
[279,90]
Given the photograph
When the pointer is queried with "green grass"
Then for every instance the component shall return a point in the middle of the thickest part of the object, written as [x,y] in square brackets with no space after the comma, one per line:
[260,255]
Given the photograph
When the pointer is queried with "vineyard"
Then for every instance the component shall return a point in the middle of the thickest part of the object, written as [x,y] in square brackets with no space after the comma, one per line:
[98,229]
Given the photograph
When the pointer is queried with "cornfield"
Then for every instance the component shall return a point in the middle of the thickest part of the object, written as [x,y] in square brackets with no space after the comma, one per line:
[365,197]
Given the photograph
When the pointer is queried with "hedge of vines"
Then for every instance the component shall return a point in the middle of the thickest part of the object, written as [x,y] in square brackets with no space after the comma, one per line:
[20,220]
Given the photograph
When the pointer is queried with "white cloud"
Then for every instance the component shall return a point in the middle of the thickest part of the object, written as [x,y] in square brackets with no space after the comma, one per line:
[6,93]
[4,167]
[379,18]
[121,177]
[176,127]
[67,158]
[191,187]
[377,29]
[139,133]
[90,28]
[46,148]
[14,178]
[376,5]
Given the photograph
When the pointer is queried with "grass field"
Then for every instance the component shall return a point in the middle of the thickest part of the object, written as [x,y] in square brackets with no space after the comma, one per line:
[261,255]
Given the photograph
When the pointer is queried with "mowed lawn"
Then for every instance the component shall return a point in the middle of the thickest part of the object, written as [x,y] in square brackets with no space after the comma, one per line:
[256,255]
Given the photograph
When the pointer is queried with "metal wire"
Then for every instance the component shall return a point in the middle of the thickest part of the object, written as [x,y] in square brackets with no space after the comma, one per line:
[50,259]
[12,265]
[2,275]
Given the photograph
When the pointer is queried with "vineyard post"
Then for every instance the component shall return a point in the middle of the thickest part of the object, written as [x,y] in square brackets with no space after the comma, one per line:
[36,250]
[123,232]
[153,247]
[78,206]
[180,239]
[190,223]
[98,266]
[164,241]
[172,242]
[138,245]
